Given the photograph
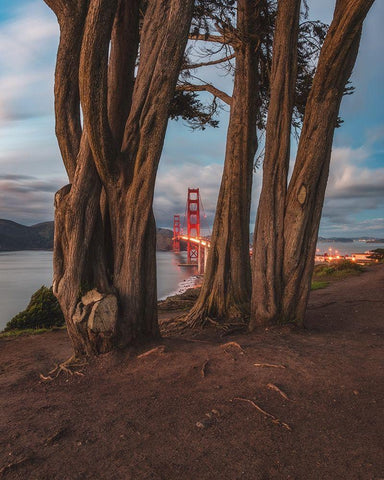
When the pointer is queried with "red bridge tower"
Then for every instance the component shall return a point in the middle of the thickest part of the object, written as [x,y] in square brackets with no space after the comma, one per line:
[176,233]
[193,223]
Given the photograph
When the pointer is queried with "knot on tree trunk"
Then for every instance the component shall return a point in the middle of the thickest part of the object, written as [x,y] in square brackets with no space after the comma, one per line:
[95,318]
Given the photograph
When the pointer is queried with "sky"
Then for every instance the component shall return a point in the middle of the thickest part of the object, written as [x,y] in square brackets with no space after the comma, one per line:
[31,169]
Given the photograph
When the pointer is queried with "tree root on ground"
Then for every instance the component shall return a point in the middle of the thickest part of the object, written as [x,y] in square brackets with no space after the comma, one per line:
[274,387]
[269,365]
[227,328]
[232,344]
[203,370]
[14,465]
[274,419]
[68,367]
[159,349]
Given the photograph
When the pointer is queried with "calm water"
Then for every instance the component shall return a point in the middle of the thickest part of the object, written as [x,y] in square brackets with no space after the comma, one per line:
[22,273]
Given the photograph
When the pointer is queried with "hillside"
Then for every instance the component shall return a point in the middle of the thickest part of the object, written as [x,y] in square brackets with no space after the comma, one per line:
[14,236]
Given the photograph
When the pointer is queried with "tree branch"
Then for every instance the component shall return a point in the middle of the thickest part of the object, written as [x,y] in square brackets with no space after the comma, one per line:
[67,98]
[208,38]
[93,80]
[206,64]
[122,62]
[206,87]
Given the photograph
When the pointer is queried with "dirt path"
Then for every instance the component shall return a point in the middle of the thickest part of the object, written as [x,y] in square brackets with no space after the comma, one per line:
[176,414]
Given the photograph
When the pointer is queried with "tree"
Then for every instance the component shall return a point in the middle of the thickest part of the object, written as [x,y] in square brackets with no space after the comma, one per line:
[288,218]
[227,282]
[245,35]
[104,247]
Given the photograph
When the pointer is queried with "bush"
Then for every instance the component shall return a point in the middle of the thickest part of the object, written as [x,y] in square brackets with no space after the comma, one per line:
[338,268]
[377,254]
[43,311]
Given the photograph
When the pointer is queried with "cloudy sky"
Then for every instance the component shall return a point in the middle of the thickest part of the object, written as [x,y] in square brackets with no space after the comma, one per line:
[31,169]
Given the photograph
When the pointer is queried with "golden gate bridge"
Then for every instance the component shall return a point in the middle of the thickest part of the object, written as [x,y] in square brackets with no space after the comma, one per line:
[197,246]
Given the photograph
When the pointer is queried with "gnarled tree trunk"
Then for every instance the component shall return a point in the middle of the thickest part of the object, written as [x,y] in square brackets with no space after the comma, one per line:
[104,255]
[226,288]
[305,196]
[268,241]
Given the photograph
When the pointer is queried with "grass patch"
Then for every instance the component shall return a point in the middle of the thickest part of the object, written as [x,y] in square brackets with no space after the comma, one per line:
[316,285]
[28,331]
[336,270]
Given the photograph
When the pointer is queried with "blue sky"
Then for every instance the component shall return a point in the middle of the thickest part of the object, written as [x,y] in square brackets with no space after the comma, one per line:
[31,169]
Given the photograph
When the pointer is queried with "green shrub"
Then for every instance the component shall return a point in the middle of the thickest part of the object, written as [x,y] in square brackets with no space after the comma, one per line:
[338,269]
[377,254]
[43,311]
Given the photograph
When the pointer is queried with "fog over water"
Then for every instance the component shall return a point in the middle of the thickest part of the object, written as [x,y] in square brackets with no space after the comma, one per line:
[22,273]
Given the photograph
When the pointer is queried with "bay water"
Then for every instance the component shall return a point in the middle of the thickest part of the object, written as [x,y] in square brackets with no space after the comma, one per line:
[22,273]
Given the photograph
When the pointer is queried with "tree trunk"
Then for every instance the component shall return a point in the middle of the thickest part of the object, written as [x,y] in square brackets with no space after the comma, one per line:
[268,241]
[79,262]
[309,179]
[226,288]
[306,190]
[105,265]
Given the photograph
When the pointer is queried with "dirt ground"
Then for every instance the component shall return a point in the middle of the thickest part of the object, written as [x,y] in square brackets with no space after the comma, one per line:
[186,412]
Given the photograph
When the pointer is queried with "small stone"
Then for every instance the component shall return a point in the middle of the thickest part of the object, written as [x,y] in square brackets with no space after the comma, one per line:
[216,412]
[355,392]
[200,425]
[103,316]
[91,297]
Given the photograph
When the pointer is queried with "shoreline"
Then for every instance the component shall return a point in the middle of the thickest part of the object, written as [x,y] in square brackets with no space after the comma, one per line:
[191,282]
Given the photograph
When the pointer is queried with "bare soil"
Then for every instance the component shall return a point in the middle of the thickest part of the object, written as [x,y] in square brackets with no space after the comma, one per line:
[184,411]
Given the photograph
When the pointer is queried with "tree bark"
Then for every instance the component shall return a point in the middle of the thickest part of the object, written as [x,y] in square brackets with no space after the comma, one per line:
[268,241]
[104,254]
[226,288]
[309,179]
[305,196]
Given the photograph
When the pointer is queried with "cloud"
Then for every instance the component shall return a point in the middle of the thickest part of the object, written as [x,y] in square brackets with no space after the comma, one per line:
[27,199]
[28,42]
[354,190]
[172,188]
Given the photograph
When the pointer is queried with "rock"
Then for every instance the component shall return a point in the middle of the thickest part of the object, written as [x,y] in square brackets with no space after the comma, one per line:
[81,313]
[103,316]
[91,297]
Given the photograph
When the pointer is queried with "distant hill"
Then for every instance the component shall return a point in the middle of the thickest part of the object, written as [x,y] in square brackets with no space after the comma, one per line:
[336,239]
[14,236]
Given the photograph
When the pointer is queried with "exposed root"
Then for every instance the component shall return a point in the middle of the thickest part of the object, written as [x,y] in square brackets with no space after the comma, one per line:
[196,340]
[274,419]
[232,344]
[159,349]
[197,322]
[268,365]
[15,464]
[56,436]
[174,325]
[203,370]
[274,387]
[213,322]
[68,367]
[230,328]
